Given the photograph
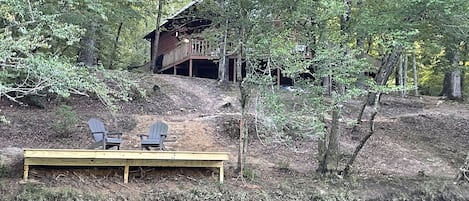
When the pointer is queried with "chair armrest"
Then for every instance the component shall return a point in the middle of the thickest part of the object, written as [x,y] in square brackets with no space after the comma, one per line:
[142,135]
[102,133]
[119,134]
[97,133]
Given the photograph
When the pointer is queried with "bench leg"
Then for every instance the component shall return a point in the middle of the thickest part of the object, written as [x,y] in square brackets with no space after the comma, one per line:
[25,172]
[221,174]
[126,174]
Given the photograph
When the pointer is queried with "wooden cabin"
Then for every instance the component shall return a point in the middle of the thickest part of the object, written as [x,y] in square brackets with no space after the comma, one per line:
[181,53]
[181,50]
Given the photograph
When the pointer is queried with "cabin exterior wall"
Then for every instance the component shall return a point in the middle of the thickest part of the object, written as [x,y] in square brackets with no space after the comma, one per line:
[168,41]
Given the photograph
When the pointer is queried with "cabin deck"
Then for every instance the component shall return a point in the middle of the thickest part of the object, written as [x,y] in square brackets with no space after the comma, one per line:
[123,158]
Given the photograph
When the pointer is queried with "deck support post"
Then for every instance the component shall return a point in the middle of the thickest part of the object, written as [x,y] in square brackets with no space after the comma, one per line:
[126,173]
[190,67]
[25,172]
[175,71]
[221,173]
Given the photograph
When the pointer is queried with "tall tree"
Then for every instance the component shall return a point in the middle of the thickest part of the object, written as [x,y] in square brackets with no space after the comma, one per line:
[452,86]
[156,38]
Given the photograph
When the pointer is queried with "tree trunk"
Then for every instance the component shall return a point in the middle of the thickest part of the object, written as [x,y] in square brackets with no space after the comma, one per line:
[362,143]
[385,71]
[242,128]
[156,38]
[399,75]
[239,64]
[414,68]
[327,84]
[452,81]
[345,18]
[240,148]
[116,46]
[333,145]
[328,146]
[404,74]
[87,52]
[322,154]
[223,66]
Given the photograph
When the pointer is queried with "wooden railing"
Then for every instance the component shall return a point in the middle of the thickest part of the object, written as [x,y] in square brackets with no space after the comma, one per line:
[203,48]
[195,48]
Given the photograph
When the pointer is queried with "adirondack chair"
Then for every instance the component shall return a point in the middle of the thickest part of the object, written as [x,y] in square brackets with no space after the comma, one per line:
[156,136]
[102,137]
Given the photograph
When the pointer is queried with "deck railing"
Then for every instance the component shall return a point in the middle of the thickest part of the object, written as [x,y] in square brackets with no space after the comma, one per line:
[203,48]
[184,51]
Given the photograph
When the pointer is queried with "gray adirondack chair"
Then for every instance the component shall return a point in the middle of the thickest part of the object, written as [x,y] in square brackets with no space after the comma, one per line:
[102,137]
[156,136]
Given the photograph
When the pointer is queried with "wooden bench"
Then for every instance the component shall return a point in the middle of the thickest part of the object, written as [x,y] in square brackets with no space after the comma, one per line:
[123,158]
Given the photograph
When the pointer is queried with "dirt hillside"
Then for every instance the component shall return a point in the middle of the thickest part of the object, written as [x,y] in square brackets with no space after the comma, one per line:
[419,141]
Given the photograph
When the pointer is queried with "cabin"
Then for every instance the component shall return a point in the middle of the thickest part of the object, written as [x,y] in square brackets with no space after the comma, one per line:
[183,51]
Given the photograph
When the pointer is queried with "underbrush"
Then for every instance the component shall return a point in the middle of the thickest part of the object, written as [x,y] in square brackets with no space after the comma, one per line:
[36,192]
[435,190]
[222,193]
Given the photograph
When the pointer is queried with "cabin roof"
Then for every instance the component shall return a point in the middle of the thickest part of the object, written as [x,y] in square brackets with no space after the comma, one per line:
[186,7]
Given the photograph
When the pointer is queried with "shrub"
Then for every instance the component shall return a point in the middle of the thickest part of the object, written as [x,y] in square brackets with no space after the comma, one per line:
[66,120]
[39,193]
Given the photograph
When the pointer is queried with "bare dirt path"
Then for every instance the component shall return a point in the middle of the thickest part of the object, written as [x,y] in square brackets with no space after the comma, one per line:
[192,123]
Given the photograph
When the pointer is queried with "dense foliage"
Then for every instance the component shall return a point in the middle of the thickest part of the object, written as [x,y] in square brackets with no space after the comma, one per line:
[347,41]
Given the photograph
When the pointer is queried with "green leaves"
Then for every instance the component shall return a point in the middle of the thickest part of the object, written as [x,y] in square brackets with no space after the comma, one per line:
[29,67]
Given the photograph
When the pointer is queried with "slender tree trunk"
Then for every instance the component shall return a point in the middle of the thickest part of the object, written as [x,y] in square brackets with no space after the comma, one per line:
[156,38]
[87,53]
[414,69]
[240,148]
[239,63]
[116,46]
[322,150]
[333,145]
[243,128]
[399,76]
[404,80]
[385,71]
[327,84]
[326,80]
[359,118]
[322,156]
[223,66]
[345,18]
[245,93]
[362,143]
[361,48]
[464,60]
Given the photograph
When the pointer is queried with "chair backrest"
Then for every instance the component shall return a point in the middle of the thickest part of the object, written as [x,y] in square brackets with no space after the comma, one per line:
[157,129]
[97,129]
